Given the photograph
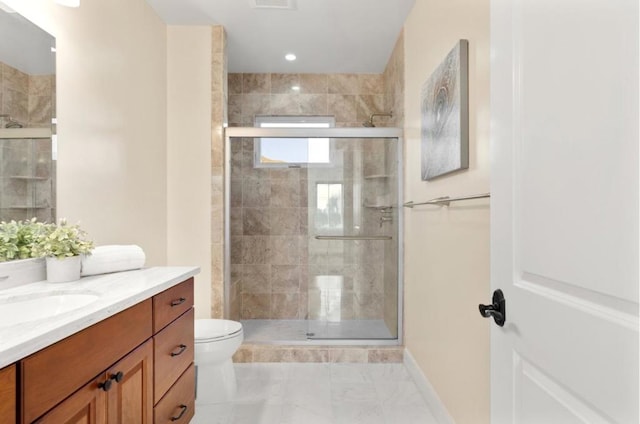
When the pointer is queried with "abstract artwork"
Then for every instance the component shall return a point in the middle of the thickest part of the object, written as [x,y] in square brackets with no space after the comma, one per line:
[445,115]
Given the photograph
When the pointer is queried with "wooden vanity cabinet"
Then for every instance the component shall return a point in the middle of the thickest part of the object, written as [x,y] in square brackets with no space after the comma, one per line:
[8,395]
[105,373]
[121,395]
[174,372]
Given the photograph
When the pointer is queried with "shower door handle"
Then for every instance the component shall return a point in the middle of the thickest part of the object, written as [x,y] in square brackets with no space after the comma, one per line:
[497,310]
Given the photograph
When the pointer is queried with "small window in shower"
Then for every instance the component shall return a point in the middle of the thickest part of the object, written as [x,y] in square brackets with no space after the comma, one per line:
[329,207]
[292,152]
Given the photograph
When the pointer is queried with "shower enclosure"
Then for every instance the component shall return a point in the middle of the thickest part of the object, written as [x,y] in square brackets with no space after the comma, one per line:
[312,230]
[27,174]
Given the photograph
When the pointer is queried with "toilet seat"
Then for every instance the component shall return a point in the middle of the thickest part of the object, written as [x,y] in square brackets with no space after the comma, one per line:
[208,330]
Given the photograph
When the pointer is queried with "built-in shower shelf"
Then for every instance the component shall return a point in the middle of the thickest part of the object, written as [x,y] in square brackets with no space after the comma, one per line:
[19,177]
[376,176]
[380,207]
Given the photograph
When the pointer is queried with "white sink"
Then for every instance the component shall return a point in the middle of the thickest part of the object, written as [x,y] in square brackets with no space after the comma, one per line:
[28,308]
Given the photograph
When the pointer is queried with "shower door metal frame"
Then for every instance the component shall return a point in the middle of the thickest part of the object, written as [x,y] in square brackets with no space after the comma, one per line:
[364,133]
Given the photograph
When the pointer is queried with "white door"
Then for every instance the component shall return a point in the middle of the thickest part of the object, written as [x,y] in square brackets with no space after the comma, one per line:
[564,210]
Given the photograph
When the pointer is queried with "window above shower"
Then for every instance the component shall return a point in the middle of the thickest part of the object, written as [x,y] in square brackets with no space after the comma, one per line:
[292,152]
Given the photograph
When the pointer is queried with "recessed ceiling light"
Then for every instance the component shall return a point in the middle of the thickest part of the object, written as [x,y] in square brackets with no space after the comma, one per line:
[295,88]
[290,57]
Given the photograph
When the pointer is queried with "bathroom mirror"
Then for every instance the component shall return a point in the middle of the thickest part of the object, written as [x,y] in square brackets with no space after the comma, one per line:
[27,117]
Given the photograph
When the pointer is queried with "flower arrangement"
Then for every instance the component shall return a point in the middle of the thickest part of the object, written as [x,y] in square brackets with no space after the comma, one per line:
[33,239]
[17,239]
[61,241]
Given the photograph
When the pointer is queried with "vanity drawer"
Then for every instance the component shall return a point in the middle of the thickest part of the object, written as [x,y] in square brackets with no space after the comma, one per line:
[173,353]
[8,395]
[172,303]
[179,400]
[50,375]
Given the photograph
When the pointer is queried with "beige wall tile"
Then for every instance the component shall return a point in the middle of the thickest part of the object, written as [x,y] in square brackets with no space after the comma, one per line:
[13,79]
[41,85]
[283,83]
[256,193]
[256,83]
[235,108]
[255,104]
[285,278]
[313,104]
[284,221]
[271,354]
[256,306]
[256,279]
[353,355]
[39,111]
[255,221]
[342,106]
[285,193]
[285,104]
[243,355]
[388,355]
[366,104]
[235,84]
[255,249]
[370,84]
[283,250]
[314,83]
[235,222]
[342,84]
[310,355]
[284,306]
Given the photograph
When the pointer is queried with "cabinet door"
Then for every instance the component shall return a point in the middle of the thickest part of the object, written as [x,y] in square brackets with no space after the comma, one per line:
[8,395]
[130,400]
[86,406]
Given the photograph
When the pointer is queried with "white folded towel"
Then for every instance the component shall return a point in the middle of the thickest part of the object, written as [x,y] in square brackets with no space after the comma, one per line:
[113,258]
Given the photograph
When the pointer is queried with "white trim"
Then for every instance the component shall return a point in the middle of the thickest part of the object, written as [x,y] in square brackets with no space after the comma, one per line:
[428,392]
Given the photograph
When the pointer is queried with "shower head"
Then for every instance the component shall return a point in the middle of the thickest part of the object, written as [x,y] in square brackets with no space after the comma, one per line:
[11,123]
[369,123]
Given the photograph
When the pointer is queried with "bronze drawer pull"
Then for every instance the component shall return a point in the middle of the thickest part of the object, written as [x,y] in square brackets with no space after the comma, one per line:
[184,409]
[178,301]
[182,349]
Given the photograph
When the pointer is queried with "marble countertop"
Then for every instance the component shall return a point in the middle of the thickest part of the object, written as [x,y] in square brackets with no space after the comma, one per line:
[116,292]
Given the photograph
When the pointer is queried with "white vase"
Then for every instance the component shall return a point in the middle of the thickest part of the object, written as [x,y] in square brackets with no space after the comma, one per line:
[63,270]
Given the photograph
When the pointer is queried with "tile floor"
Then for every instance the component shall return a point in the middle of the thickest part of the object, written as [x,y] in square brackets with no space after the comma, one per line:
[288,393]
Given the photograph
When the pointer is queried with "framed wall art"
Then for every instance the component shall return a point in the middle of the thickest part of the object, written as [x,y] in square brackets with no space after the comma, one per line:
[445,115]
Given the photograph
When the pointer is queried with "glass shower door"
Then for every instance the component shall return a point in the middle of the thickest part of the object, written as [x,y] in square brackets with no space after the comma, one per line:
[352,241]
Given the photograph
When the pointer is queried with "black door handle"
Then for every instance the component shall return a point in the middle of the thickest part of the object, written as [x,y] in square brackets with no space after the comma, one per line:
[497,309]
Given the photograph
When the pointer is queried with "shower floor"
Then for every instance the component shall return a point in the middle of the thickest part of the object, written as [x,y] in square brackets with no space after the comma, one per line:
[283,331]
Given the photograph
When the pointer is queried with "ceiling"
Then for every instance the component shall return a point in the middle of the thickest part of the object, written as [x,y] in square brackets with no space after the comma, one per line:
[327,36]
[23,45]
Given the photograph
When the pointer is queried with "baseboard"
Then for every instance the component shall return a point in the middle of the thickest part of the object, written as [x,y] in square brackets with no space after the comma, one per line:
[436,406]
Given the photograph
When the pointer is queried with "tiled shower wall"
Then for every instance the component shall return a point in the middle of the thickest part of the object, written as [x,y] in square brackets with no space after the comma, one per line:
[351,98]
[29,99]
[27,173]
[218,120]
[276,262]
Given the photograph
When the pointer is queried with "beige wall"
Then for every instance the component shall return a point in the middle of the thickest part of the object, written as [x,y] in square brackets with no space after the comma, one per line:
[447,249]
[111,103]
[188,155]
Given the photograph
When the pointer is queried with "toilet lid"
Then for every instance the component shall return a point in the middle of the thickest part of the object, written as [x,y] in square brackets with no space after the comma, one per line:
[208,329]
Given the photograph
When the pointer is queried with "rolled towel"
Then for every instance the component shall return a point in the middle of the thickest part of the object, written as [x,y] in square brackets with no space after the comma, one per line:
[113,258]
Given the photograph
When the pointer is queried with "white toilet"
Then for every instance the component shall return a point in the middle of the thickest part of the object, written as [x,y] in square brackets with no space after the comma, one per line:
[216,340]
